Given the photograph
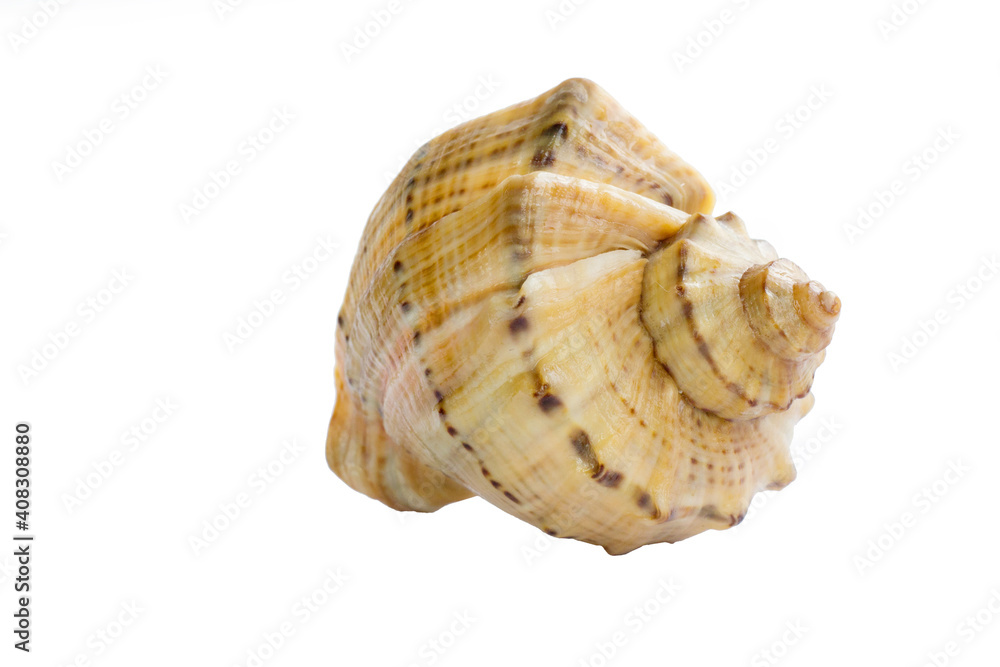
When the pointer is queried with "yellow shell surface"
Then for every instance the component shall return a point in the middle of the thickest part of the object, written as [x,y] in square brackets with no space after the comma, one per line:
[513,315]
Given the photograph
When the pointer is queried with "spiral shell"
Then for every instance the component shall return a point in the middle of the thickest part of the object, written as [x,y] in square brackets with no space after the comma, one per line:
[542,313]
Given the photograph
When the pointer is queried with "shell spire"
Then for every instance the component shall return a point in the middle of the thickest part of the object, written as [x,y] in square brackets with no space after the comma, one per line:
[792,315]
[741,331]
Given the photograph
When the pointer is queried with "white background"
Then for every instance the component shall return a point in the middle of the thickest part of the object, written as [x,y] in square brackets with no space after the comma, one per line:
[853,555]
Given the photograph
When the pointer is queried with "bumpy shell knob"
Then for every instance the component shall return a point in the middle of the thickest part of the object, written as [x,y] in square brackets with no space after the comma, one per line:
[740,331]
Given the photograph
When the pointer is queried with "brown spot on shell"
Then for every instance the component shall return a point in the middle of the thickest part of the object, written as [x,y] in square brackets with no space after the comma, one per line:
[557,130]
[645,502]
[581,445]
[549,402]
[689,316]
[609,478]
[543,158]
[519,323]
[511,497]
[711,512]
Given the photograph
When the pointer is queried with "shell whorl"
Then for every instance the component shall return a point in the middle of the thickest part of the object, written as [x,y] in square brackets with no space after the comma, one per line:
[740,331]
[792,315]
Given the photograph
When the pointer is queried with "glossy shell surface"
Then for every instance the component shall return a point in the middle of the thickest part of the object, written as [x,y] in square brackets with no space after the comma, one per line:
[542,313]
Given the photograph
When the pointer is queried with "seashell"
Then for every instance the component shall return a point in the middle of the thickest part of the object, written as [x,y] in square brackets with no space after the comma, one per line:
[542,313]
